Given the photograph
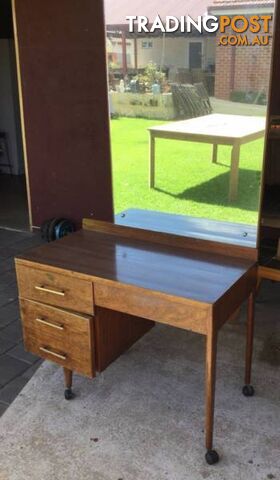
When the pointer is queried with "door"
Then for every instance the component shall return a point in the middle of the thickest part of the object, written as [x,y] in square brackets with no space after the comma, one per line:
[195,55]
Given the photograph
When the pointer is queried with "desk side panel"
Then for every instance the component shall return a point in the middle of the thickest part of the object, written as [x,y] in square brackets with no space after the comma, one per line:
[116,332]
[235,296]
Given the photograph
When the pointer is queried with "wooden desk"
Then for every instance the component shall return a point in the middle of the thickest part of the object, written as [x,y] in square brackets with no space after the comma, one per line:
[86,298]
[217,129]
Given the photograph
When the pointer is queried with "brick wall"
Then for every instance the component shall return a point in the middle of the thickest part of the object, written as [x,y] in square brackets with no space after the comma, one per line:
[241,68]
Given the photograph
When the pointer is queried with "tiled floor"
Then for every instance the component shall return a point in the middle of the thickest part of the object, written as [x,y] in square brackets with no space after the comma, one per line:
[16,366]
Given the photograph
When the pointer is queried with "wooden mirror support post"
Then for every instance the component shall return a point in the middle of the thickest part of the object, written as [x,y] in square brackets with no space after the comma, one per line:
[269,228]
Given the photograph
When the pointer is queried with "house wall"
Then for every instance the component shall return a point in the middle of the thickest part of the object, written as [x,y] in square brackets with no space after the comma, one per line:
[242,68]
[170,52]
[174,52]
[9,114]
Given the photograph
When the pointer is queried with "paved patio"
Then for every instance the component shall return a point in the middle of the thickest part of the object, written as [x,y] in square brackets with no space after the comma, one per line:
[16,366]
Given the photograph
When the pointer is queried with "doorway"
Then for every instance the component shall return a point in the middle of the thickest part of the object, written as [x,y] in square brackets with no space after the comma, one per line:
[13,194]
[195,55]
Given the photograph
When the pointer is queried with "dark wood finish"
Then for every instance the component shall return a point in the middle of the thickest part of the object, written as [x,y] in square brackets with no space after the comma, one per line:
[115,333]
[185,226]
[134,275]
[171,239]
[71,346]
[174,272]
[211,355]
[274,100]
[68,378]
[269,225]
[55,289]
[155,306]
[235,296]
[64,90]
[250,338]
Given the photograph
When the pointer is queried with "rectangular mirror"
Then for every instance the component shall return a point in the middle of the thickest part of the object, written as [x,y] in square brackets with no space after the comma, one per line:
[188,92]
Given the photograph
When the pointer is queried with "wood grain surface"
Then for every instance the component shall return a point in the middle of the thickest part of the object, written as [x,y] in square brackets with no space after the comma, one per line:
[191,275]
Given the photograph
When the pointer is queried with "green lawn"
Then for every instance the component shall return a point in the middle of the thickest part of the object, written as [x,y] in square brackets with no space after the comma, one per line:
[186,180]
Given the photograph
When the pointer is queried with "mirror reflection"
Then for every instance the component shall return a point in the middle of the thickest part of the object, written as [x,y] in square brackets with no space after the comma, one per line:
[188,91]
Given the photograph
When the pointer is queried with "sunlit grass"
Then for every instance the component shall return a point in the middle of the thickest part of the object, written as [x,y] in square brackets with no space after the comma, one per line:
[187,182]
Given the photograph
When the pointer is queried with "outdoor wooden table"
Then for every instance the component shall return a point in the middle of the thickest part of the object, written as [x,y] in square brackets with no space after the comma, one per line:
[217,129]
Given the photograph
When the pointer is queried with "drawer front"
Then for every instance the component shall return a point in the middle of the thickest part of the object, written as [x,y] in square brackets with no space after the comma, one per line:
[60,336]
[55,289]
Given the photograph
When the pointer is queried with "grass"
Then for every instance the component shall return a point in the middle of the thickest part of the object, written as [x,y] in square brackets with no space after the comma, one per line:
[187,182]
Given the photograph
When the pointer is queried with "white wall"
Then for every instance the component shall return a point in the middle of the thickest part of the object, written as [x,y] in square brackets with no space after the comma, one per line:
[9,114]
[169,52]
[174,52]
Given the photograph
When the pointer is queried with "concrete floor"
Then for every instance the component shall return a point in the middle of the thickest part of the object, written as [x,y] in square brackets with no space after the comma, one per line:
[143,418]
[237,108]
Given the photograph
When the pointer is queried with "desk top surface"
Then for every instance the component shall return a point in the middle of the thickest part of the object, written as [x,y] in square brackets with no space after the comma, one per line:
[180,272]
[216,125]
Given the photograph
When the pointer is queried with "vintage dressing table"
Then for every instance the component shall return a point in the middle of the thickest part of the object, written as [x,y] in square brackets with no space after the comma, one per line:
[88,297]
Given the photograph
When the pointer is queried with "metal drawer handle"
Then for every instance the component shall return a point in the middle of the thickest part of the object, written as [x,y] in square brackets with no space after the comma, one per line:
[57,355]
[42,288]
[49,324]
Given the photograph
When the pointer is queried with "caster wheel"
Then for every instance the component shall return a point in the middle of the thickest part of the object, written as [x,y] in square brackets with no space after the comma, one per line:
[248,390]
[68,394]
[212,457]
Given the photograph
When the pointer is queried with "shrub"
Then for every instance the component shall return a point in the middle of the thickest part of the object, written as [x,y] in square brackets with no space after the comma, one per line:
[151,75]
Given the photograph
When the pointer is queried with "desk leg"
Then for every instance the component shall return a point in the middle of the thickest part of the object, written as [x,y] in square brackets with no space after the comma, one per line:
[215,153]
[234,171]
[152,160]
[211,353]
[248,389]
[68,377]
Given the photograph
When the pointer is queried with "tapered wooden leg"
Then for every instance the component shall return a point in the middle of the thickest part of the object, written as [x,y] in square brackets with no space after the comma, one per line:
[248,390]
[68,378]
[234,173]
[215,153]
[152,160]
[211,353]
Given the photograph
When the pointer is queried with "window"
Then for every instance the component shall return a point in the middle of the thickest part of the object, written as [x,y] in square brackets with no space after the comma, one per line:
[147,44]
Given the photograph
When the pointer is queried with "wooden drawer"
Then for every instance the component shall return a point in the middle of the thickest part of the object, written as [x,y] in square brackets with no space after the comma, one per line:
[63,337]
[55,289]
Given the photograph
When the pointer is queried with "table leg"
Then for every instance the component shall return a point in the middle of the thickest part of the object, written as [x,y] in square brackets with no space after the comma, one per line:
[68,377]
[152,160]
[215,153]
[211,353]
[248,389]
[234,171]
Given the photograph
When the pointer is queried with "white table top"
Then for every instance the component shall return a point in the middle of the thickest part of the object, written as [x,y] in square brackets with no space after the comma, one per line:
[216,125]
